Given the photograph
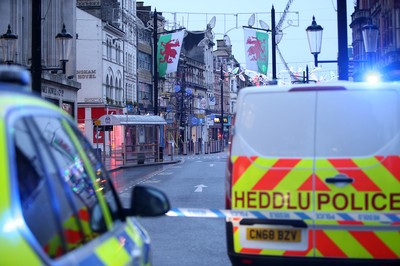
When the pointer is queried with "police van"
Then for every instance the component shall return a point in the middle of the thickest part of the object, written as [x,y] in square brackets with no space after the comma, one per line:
[318,168]
[57,203]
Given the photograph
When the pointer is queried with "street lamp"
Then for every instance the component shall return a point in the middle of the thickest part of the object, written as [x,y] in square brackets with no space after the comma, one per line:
[314,34]
[222,108]
[9,44]
[370,37]
[64,43]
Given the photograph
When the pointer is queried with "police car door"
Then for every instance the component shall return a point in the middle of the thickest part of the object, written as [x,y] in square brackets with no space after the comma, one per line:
[357,176]
[68,210]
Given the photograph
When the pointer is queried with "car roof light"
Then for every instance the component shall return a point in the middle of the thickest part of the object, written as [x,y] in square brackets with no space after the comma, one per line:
[16,77]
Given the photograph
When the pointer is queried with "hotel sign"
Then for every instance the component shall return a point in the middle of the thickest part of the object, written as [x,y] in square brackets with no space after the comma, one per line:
[86,74]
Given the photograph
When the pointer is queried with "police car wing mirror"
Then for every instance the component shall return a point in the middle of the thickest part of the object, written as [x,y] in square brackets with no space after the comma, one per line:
[148,201]
[339,180]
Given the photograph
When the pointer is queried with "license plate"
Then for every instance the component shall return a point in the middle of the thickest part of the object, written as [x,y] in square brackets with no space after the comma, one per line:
[273,234]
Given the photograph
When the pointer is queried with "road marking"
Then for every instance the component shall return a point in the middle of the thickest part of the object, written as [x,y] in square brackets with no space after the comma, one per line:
[155,181]
[212,165]
[199,188]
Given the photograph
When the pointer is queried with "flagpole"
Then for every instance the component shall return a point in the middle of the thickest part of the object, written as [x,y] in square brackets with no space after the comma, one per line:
[273,44]
[222,108]
[155,67]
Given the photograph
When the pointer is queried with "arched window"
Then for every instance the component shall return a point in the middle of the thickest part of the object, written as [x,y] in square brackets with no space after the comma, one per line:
[118,55]
[108,47]
[120,90]
[112,84]
[108,91]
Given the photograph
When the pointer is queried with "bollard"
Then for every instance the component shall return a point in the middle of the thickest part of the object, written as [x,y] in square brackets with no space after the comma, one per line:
[171,150]
[196,147]
[184,148]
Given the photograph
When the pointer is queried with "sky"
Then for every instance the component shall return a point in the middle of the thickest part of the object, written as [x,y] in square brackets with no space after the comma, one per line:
[231,15]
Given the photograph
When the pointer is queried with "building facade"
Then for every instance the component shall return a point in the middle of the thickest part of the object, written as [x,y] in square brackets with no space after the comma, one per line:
[57,87]
[385,14]
[106,66]
[144,58]
[225,90]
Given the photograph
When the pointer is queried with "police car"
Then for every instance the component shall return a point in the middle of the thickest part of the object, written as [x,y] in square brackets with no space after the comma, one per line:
[314,172]
[57,204]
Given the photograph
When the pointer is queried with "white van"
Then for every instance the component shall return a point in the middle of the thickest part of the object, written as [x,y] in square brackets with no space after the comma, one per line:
[316,169]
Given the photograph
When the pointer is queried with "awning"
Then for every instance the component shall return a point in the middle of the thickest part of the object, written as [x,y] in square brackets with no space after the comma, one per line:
[108,120]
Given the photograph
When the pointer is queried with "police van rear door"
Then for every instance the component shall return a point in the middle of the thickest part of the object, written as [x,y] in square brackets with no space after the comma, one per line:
[272,155]
[357,173]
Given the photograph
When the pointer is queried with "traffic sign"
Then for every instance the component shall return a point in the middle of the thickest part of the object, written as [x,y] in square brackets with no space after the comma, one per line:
[194,120]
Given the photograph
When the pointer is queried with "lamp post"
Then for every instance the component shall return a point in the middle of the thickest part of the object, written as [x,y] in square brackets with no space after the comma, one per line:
[273,33]
[155,67]
[64,43]
[370,34]
[222,108]
[9,44]
[314,34]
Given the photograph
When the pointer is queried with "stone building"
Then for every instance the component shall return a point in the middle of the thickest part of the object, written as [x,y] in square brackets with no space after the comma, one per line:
[386,16]
[106,65]
[57,87]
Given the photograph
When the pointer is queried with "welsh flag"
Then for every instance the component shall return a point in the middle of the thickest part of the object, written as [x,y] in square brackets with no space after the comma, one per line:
[256,49]
[168,51]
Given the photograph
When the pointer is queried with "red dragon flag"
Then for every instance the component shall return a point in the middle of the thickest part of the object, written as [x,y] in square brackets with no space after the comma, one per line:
[256,48]
[168,51]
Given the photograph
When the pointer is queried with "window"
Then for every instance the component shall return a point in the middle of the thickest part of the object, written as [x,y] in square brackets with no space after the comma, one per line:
[56,189]
[118,53]
[108,89]
[144,36]
[108,47]
[144,61]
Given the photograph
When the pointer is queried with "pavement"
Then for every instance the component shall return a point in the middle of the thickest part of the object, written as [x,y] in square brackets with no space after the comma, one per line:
[112,164]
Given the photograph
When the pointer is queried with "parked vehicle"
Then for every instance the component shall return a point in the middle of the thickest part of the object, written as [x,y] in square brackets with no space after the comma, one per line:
[319,167]
[57,204]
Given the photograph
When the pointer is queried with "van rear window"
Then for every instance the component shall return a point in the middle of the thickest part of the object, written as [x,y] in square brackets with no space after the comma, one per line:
[357,123]
[277,124]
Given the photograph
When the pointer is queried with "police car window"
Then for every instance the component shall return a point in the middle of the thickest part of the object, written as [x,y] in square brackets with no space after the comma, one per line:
[74,176]
[36,201]
[101,175]
[71,199]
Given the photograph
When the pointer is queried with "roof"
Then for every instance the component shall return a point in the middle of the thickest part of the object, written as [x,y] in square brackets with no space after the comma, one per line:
[107,120]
